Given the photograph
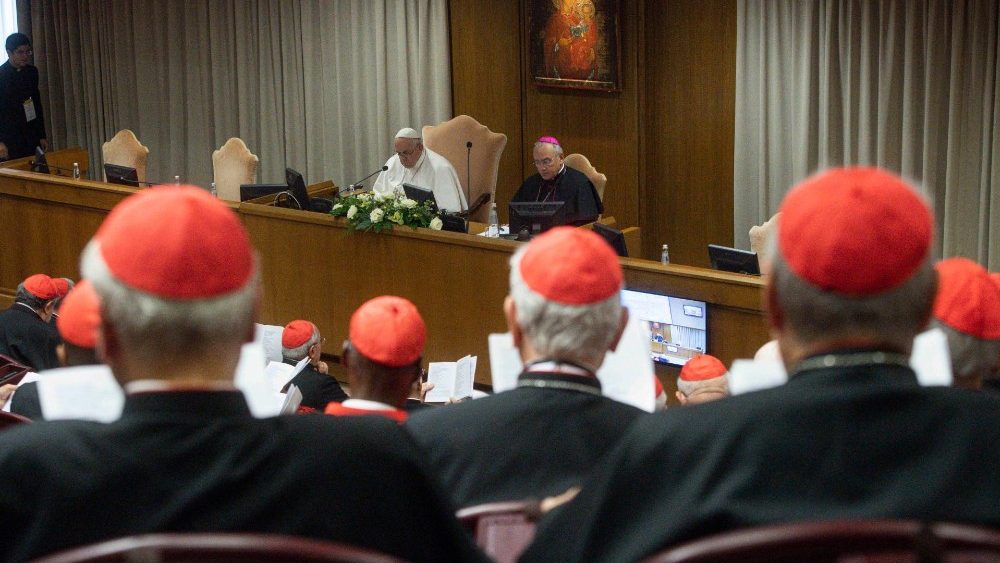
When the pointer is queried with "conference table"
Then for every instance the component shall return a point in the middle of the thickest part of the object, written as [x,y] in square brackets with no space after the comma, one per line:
[314,267]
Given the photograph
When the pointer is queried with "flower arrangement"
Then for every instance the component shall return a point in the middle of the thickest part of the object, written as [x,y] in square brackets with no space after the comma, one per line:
[381,212]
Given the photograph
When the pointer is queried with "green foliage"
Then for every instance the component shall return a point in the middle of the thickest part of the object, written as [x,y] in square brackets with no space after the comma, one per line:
[381,212]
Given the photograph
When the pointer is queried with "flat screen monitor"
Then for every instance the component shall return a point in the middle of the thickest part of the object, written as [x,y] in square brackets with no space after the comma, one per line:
[40,164]
[535,216]
[733,260]
[676,325]
[420,195]
[614,237]
[121,175]
[297,189]
[253,191]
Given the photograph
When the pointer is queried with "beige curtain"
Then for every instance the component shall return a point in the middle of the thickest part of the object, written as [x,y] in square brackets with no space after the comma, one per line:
[913,86]
[317,85]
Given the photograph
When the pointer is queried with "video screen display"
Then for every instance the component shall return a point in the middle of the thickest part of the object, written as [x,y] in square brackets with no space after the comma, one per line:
[676,326]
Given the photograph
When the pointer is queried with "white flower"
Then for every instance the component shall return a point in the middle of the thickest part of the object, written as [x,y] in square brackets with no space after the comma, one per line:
[396,217]
[365,196]
[408,203]
[337,207]
[376,215]
[436,224]
[352,212]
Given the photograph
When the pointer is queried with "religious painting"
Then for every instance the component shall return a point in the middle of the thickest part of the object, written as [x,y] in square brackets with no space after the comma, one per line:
[574,44]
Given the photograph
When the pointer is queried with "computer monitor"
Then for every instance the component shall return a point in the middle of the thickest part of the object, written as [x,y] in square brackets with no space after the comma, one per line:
[733,260]
[420,195]
[40,164]
[535,216]
[614,237]
[677,326]
[297,189]
[253,191]
[123,175]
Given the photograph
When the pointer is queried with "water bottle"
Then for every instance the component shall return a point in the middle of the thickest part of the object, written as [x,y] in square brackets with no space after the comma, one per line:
[177,180]
[76,170]
[213,191]
[494,229]
[665,255]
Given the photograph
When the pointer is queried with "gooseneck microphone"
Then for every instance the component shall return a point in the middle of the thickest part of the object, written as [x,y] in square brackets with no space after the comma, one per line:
[468,167]
[358,184]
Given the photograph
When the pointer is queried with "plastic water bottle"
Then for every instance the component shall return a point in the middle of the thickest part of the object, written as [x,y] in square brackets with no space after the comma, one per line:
[665,255]
[177,180]
[494,228]
[76,170]
[213,191]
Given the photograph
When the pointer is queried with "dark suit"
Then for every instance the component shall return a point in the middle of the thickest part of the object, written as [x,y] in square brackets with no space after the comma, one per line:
[198,461]
[841,443]
[318,389]
[527,442]
[20,135]
[25,401]
[582,204]
[28,339]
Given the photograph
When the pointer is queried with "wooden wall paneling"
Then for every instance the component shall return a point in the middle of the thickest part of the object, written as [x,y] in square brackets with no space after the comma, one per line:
[602,126]
[688,116]
[486,79]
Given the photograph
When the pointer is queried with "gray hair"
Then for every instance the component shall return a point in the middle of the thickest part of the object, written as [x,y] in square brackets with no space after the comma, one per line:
[558,148]
[688,388]
[971,357]
[152,327]
[30,299]
[577,333]
[814,315]
[302,350]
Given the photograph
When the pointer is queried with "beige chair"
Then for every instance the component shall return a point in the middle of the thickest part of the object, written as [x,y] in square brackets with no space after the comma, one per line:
[232,165]
[449,140]
[581,163]
[759,237]
[124,149]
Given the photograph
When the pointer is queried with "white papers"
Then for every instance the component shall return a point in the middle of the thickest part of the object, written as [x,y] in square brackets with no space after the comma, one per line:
[80,393]
[270,337]
[280,373]
[627,373]
[451,379]
[930,358]
[262,400]
[749,375]
[505,362]
[292,400]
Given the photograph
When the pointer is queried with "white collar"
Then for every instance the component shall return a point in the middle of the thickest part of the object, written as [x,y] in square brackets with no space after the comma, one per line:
[366,405]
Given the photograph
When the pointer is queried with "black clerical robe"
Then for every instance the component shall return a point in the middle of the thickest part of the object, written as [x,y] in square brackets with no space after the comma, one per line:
[528,442]
[318,389]
[25,337]
[582,204]
[25,401]
[20,135]
[197,461]
[840,443]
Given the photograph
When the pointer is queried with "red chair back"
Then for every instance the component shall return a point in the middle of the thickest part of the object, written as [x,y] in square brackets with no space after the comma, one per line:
[9,419]
[216,548]
[502,529]
[860,541]
[11,371]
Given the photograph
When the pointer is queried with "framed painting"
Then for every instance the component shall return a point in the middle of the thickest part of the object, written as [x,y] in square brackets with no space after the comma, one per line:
[574,44]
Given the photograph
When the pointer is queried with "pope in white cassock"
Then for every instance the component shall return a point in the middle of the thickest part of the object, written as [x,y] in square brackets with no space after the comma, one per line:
[420,166]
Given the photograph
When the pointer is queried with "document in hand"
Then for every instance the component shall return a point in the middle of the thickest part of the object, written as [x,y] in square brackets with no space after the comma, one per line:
[451,379]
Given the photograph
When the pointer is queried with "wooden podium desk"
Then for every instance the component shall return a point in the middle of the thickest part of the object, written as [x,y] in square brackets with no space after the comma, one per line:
[314,268]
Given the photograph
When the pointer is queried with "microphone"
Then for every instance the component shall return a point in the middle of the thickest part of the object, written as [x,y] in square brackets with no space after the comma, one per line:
[357,184]
[35,163]
[468,168]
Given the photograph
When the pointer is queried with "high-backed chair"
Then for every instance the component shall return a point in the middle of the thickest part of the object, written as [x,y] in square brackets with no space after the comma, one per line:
[581,163]
[216,548]
[11,371]
[232,165]
[449,140]
[881,541]
[9,419]
[124,149]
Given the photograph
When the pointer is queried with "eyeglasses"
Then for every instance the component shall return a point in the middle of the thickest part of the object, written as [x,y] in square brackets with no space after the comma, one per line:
[544,162]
